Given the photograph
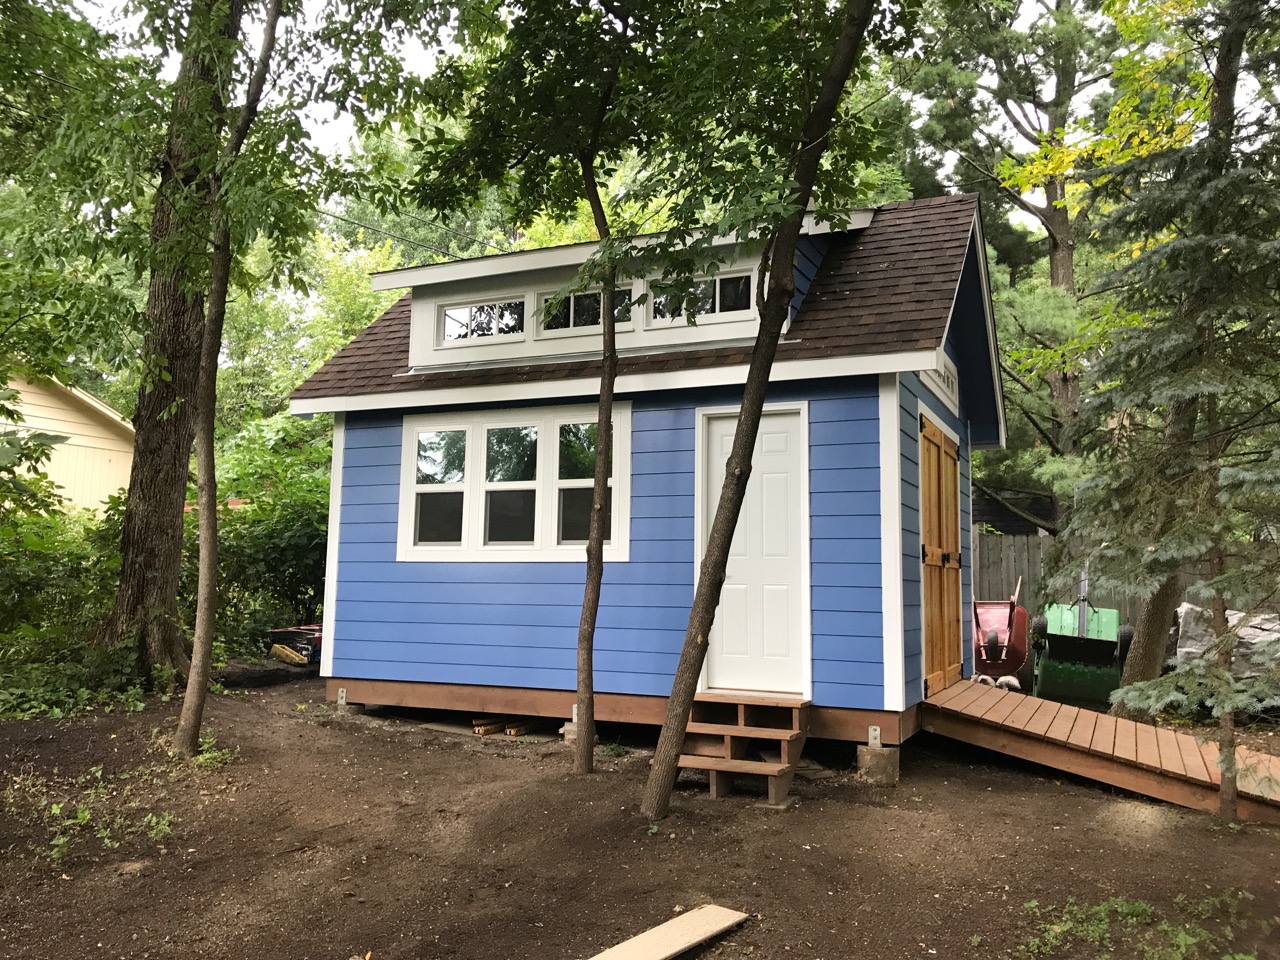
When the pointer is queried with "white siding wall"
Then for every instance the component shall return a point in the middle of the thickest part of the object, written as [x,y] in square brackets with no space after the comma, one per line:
[94,461]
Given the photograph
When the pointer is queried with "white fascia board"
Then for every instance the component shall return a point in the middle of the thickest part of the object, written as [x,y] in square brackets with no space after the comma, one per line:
[735,375]
[572,255]
[989,313]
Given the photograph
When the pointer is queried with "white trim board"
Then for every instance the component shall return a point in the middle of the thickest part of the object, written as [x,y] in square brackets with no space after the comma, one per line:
[329,613]
[573,255]
[891,593]
[586,387]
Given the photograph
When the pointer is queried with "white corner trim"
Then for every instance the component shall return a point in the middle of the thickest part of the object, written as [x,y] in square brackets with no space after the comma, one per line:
[891,594]
[329,615]
[586,387]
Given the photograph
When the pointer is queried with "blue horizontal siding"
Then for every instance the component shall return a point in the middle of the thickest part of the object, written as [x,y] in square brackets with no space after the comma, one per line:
[512,624]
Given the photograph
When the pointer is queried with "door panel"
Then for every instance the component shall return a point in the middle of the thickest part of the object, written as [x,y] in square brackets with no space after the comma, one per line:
[940,552]
[756,641]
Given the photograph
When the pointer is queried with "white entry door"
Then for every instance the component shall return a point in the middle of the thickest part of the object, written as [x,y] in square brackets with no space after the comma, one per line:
[758,639]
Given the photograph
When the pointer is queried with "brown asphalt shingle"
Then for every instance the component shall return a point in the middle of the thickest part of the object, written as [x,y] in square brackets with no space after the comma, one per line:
[885,289]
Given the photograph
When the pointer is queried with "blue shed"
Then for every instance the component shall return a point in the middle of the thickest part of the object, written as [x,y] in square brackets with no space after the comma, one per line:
[464,435]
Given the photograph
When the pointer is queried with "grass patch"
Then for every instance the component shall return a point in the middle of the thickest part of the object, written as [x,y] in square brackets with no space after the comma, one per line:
[1121,928]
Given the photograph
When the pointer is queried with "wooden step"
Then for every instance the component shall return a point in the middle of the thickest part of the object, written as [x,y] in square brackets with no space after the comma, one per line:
[753,699]
[720,764]
[733,730]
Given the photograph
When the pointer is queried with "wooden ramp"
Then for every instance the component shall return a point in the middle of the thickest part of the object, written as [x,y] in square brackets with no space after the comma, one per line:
[1155,761]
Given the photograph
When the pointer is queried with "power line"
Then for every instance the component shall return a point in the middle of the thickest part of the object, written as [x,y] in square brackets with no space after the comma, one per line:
[393,236]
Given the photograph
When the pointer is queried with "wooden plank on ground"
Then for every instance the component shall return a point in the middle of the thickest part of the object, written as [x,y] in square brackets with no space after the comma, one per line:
[1192,761]
[1170,757]
[1104,735]
[1082,730]
[1126,747]
[1043,718]
[1148,751]
[1025,710]
[1060,729]
[676,936]
[1259,774]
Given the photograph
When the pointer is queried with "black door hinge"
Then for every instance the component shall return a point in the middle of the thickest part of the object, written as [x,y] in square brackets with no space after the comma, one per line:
[924,553]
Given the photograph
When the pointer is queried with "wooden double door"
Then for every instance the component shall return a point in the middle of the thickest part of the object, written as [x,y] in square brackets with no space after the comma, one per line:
[940,553]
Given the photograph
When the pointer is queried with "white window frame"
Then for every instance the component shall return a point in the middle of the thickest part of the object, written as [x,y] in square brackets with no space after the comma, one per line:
[654,322]
[409,478]
[518,296]
[546,547]
[542,333]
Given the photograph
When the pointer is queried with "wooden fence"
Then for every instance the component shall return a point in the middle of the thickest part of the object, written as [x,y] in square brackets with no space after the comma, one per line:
[1003,558]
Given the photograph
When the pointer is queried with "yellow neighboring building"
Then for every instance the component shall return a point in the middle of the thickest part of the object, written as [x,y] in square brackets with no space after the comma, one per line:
[94,461]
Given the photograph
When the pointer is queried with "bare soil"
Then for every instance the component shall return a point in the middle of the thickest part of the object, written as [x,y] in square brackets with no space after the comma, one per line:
[333,836]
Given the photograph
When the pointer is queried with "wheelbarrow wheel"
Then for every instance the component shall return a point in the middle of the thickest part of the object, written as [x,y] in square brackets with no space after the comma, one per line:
[1039,632]
[1124,640]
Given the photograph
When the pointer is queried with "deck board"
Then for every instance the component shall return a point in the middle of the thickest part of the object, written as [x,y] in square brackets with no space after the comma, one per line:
[1170,755]
[1060,729]
[1082,730]
[1148,752]
[1043,718]
[1126,747]
[1023,712]
[1157,761]
[1104,735]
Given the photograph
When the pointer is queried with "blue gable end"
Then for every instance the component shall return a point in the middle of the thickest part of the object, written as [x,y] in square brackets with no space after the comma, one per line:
[515,624]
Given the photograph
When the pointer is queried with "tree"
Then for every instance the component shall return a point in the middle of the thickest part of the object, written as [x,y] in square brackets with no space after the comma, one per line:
[836,43]
[550,115]
[1185,478]
[1009,87]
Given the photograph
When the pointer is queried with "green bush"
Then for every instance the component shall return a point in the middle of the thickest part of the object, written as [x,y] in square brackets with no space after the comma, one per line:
[57,579]
[271,546]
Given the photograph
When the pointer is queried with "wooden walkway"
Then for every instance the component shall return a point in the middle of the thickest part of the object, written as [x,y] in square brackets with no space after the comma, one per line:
[1154,761]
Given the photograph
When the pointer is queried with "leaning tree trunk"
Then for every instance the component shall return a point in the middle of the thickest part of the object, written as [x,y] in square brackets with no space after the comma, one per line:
[774,308]
[187,737]
[186,740]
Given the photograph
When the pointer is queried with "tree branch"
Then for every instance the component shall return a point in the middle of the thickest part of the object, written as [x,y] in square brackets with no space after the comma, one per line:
[1043,524]
[257,83]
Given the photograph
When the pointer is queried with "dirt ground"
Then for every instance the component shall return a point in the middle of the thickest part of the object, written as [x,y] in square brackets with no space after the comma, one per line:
[333,836]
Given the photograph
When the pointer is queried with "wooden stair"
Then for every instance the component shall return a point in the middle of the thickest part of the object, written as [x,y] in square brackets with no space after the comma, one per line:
[726,728]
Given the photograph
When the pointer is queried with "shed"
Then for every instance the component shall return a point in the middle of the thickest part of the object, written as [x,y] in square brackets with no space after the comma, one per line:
[94,460]
[463,421]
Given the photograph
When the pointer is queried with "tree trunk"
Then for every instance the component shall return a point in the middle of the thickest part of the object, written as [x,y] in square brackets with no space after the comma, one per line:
[774,308]
[187,738]
[146,604]
[1151,636]
[1062,239]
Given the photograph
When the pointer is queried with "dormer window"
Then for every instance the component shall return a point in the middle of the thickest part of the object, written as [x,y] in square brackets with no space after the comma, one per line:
[721,295]
[583,310]
[469,321]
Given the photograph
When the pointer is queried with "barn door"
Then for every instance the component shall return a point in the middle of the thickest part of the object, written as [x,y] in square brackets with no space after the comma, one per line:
[940,552]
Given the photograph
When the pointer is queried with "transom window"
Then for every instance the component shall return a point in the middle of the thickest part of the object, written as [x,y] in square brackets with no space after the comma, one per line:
[730,294]
[583,310]
[508,488]
[468,321]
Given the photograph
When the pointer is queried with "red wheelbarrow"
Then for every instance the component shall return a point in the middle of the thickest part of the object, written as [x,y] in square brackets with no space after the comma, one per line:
[1000,642]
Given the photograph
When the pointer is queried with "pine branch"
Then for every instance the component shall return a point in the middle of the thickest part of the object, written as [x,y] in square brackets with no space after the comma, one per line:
[1043,524]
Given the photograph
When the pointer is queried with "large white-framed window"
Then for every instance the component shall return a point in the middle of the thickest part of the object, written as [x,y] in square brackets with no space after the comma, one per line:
[510,485]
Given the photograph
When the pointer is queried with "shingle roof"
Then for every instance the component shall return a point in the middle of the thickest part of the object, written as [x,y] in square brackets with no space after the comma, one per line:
[884,289]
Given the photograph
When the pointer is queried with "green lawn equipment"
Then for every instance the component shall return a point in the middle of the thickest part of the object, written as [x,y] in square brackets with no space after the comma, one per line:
[1079,651]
